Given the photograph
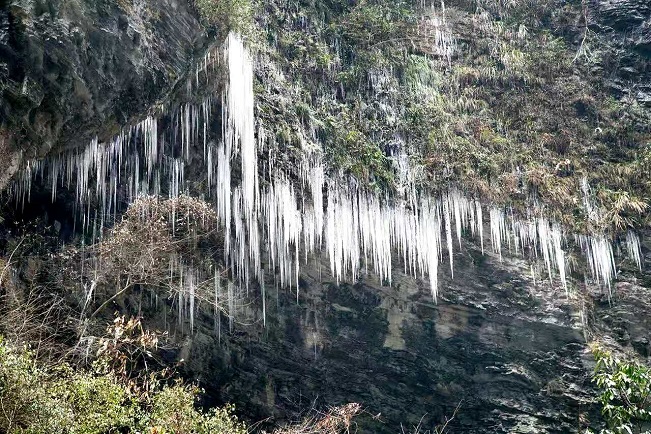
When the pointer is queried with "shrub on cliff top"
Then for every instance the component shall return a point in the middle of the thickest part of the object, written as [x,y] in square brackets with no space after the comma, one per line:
[55,400]
[231,15]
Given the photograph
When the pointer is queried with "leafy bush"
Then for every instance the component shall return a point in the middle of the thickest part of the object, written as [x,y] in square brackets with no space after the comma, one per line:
[232,15]
[41,400]
[625,392]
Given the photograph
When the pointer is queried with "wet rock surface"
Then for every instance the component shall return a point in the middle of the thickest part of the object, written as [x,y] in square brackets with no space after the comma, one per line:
[510,352]
[72,70]
[622,44]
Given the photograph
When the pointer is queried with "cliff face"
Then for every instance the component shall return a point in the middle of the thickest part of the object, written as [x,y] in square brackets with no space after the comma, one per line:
[70,71]
[624,27]
[503,345]
[510,353]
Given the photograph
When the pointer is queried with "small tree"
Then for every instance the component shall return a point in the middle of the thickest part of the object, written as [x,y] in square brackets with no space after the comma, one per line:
[158,245]
[625,392]
[232,15]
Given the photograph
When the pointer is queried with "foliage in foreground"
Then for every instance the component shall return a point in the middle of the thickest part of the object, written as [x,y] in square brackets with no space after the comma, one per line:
[625,392]
[119,395]
[36,399]
[128,388]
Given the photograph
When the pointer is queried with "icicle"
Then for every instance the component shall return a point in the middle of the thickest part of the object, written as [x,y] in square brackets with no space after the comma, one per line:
[559,254]
[181,298]
[223,191]
[444,43]
[480,224]
[498,230]
[284,227]
[448,232]
[264,300]
[633,248]
[600,257]
[231,306]
[545,241]
[356,228]
[192,290]
[240,135]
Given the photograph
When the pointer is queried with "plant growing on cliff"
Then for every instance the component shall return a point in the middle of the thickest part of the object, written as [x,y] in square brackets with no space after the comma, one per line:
[39,399]
[336,420]
[231,15]
[625,392]
[157,245]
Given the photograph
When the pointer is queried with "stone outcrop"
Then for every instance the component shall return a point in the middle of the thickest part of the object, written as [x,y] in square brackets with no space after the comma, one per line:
[622,44]
[72,70]
[511,352]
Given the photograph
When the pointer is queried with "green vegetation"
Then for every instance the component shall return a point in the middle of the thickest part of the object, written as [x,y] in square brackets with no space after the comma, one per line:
[119,392]
[625,392]
[227,15]
[36,398]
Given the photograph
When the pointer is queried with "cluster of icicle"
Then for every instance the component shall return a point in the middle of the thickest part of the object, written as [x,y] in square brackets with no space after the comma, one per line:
[194,286]
[191,283]
[437,26]
[283,221]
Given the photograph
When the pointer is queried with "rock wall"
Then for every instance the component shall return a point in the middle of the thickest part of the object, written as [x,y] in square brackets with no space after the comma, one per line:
[511,352]
[508,349]
[71,70]
[622,44]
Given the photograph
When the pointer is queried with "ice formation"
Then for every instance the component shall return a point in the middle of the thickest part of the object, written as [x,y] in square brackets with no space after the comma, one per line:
[599,254]
[273,224]
[633,248]
[444,42]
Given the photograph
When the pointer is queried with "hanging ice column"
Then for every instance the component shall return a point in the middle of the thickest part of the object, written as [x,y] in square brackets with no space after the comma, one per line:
[597,249]
[240,120]
[239,137]
[633,248]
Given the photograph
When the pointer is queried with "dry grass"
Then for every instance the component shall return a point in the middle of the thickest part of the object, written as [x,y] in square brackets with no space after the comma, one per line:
[146,249]
[440,429]
[31,316]
[337,420]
